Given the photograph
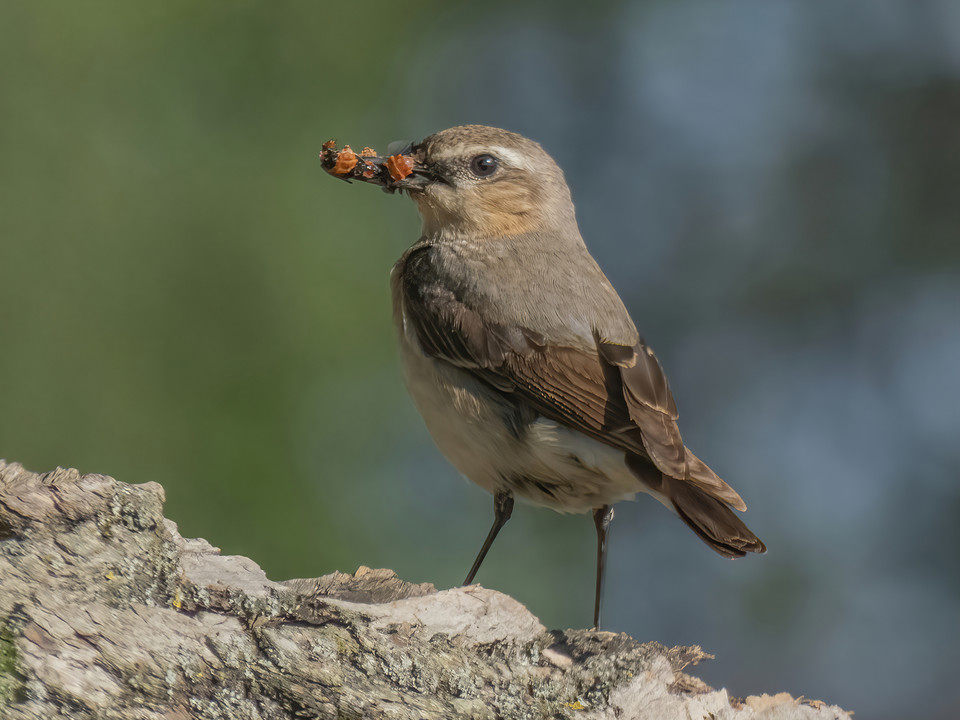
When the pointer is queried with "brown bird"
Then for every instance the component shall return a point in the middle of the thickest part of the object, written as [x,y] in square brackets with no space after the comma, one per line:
[528,371]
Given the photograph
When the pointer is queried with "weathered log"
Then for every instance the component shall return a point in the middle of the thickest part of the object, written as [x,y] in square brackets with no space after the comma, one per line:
[107,612]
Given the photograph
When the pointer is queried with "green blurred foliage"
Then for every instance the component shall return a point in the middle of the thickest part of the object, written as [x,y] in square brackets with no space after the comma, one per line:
[181,285]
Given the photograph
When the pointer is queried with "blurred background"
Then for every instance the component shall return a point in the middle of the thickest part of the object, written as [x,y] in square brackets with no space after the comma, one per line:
[773,187]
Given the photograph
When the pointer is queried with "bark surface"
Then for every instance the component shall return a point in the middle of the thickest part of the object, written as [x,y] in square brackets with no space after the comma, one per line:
[107,612]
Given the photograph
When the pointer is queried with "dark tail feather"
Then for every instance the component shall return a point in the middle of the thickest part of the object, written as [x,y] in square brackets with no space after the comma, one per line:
[711,519]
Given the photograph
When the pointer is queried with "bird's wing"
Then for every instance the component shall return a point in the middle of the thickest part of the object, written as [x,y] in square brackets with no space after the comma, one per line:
[613,393]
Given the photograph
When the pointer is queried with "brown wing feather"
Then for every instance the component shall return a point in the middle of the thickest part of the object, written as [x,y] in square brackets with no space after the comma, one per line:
[618,395]
[700,474]
[650,402]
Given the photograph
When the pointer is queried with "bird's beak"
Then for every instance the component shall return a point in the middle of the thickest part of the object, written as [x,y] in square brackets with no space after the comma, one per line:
[401,170]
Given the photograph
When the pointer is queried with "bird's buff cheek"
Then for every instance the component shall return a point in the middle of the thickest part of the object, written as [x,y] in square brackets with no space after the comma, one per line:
[495,210]
[508,210]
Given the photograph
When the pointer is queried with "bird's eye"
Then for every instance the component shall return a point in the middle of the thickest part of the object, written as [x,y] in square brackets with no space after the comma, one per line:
[484,165]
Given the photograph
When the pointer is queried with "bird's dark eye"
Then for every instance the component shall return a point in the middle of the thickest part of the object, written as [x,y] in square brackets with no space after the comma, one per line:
[484,165]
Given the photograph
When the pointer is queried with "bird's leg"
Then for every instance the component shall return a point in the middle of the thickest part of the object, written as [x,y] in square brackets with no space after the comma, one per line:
[601,518]
[502,508]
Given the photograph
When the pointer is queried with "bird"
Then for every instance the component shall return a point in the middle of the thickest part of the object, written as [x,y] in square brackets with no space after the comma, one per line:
[521,357]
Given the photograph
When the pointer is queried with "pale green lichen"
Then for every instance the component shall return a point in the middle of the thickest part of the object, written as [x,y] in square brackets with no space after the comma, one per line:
[11,681]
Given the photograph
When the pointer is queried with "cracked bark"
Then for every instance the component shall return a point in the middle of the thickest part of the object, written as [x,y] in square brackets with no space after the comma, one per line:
[107,612]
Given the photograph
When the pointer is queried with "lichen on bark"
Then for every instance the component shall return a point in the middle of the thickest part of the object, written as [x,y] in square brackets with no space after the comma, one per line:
[11,680]
[107,612]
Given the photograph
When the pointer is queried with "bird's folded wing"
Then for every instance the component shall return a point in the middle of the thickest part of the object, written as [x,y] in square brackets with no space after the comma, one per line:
[615,394]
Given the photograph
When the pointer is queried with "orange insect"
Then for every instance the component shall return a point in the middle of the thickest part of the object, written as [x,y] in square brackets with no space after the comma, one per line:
[346,161]
[399,166]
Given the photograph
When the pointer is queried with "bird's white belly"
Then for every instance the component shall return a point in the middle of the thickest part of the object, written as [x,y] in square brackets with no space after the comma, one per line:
[545,463]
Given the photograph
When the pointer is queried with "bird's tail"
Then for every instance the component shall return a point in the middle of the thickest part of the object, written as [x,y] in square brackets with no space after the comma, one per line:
[711,519]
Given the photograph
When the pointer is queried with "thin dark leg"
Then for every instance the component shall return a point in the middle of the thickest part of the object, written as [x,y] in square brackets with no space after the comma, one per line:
[502,508]
[601,518]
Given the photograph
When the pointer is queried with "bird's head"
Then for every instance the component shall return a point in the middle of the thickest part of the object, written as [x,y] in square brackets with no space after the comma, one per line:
[481,181]
[486,181]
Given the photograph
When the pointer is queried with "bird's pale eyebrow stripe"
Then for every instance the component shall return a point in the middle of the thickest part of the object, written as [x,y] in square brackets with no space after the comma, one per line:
[511,156]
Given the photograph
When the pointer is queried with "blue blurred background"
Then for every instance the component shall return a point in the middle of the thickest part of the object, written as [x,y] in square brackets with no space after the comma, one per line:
[773,187]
